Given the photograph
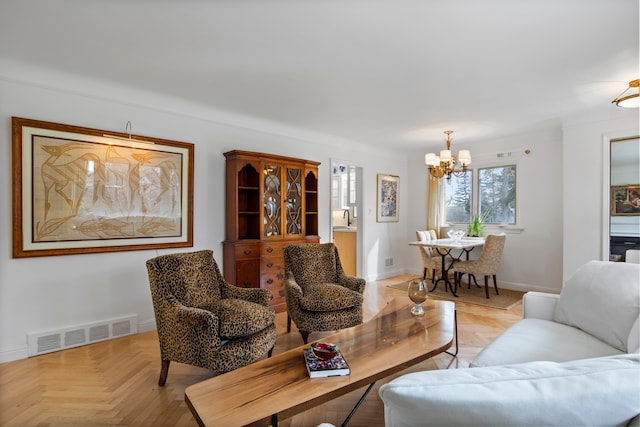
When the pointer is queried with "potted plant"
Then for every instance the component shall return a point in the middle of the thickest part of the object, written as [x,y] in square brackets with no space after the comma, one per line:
[474,229]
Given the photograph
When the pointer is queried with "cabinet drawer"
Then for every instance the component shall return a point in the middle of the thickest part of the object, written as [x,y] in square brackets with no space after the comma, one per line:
[247,251]
[275,283]
[272,265]
[272,249]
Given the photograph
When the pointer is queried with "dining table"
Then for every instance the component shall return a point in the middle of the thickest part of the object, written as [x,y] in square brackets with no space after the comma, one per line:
[444,248]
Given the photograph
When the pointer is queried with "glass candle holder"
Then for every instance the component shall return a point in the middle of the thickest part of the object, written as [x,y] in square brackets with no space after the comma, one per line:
[418,294]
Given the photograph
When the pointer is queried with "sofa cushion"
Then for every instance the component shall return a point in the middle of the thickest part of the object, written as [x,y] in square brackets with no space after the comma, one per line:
[603,299]
[329,297]
[240,318]
[536,339]
[577,393]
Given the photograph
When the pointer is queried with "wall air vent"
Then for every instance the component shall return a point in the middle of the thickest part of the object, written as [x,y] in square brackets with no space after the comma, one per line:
[47,343]
[74,336]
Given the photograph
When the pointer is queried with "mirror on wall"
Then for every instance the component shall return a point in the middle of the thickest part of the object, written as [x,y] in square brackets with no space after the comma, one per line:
[624,197]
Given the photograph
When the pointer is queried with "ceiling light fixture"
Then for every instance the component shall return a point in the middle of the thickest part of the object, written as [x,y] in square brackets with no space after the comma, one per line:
[447,164]
[630,97]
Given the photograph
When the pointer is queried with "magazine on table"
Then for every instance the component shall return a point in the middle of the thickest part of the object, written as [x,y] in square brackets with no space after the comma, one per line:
[318,368]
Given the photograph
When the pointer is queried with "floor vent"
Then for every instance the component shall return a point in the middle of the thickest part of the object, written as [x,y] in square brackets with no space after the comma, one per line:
[50,341]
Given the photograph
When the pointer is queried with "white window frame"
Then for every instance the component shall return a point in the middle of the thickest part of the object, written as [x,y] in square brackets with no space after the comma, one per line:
[488,228]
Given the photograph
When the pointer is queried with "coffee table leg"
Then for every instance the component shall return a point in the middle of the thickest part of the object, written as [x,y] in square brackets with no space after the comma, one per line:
[355,408]
[455,327]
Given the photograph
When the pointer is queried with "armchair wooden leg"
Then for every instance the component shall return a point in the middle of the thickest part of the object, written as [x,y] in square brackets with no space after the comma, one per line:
[164,370]
[495,284]
[288,323]
[305,336]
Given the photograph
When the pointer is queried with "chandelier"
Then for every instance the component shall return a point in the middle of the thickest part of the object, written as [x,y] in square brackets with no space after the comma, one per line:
[446,164]
[629,98]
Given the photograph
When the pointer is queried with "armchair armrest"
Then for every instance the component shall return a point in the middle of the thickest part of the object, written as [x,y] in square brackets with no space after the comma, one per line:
[192,321]
[354,283]
[256,295]
[292,288]
[539,305]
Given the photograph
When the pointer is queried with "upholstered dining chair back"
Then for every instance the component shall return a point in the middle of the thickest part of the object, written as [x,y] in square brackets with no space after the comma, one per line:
[486,265]
[431,261]
[489,259]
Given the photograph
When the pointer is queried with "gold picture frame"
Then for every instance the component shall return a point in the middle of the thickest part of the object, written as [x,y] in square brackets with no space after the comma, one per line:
[387,191]
[79,190]
[625,200]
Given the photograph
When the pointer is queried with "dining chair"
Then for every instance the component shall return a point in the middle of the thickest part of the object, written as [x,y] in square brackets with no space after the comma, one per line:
[431,262]
[486,265]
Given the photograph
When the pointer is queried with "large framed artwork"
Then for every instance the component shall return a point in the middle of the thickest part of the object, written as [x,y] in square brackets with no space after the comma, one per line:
[81,190]
[387,198]
[625,200]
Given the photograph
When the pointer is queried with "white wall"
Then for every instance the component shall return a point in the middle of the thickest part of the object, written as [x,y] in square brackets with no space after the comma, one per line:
[45,293]
[584,137]
[532,258]
[561,228]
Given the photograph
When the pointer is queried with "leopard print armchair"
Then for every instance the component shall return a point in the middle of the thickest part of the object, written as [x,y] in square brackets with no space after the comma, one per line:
[319,295]
[203,320]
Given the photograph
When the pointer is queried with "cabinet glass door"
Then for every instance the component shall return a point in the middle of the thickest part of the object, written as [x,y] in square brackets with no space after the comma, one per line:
[294,201]
[272,201]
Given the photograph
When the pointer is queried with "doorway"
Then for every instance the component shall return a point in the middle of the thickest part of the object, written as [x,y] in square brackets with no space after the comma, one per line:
[346,214]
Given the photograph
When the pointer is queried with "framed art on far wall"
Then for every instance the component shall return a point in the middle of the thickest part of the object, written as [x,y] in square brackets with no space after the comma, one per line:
[625,200]
[387,198]
[79,190]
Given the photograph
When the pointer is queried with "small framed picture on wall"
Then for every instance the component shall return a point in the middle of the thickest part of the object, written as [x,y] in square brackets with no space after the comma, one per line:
[388,189]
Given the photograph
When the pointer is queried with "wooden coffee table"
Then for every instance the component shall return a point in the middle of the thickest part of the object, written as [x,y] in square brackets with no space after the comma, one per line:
[279,387]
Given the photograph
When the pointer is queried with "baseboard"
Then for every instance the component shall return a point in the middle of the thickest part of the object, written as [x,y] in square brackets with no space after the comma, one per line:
[14,354]
[147,326]
[22,352]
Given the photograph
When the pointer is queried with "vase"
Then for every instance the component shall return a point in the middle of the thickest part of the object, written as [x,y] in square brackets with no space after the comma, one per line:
[418,294]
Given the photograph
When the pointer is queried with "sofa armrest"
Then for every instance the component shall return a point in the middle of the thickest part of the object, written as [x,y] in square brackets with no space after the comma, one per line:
[539,305]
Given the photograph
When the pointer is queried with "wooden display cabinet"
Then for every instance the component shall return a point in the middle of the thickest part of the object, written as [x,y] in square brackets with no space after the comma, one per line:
[271,201]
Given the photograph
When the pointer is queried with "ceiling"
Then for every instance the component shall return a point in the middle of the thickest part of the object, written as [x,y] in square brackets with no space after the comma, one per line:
[388,73]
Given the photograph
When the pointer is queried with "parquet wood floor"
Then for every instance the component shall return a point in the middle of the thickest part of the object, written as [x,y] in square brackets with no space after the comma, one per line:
[115,383]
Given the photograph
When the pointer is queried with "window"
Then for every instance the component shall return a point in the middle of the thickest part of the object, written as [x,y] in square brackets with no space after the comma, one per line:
[494,200]
[458,198]
[497,201]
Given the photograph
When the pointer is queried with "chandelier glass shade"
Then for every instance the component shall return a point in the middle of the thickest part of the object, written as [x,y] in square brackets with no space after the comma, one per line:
[630,98]
[447,164]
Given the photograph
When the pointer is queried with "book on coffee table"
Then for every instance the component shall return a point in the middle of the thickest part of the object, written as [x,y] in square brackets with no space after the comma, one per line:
[317,368]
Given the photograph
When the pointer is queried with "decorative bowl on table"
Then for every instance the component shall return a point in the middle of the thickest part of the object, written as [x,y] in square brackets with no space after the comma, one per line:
[456,235]
[324,350]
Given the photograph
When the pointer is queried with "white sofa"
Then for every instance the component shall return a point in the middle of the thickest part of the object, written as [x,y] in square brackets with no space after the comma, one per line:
[573,360]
